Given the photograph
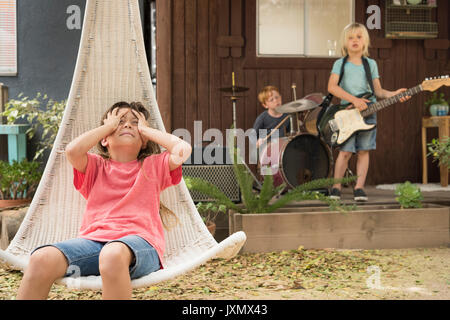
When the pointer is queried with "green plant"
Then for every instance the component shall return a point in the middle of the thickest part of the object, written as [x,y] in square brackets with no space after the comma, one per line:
[440,151]
[435,99]
[408,195]
[19,180]
[209,211]
[47,119]
[259,202]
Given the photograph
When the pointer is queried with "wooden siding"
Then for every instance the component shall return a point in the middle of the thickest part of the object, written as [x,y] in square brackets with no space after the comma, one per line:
[201,42]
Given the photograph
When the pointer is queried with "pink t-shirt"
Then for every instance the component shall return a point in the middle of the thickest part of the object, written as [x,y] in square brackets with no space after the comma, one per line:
[122,201]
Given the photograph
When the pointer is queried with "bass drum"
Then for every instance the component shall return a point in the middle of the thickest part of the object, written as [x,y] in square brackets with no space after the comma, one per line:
[296,160]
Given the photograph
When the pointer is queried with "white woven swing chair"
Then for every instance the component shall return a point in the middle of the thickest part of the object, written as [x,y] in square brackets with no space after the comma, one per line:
[111,67]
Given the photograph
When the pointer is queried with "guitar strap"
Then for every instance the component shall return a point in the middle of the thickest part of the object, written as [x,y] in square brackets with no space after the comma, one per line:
[327,101]
[368,73]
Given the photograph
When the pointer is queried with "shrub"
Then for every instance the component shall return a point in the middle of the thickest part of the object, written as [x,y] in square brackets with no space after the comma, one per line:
[440,150]
[209,211]
[47,119]
[408,195]
[258,202]
[19,180]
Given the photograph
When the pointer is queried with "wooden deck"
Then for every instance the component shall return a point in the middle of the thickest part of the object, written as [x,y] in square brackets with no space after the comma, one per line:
[376,197]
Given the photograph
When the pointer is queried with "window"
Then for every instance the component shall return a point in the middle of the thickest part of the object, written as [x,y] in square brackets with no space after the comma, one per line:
[301,27]
[8,38]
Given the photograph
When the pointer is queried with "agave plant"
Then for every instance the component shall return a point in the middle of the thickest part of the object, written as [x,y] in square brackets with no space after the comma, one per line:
[259,202]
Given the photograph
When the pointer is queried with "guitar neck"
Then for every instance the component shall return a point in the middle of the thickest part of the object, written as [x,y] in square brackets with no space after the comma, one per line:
[374,107]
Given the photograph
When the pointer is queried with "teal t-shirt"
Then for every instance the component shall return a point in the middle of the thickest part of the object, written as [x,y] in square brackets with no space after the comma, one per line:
[354,80]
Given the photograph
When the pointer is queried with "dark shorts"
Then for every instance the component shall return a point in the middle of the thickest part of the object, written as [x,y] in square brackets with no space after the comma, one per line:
[83,256]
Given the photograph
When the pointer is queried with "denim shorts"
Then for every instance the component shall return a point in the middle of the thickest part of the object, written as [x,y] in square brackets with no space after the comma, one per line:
[362,140]
[83,256]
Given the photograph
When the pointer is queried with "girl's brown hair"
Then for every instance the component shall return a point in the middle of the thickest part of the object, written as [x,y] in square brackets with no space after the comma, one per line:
[165,213]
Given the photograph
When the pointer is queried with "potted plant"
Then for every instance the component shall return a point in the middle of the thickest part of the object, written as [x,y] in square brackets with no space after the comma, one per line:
[440,151]
[38,118]
[437,104]
[18,182]
[209,212]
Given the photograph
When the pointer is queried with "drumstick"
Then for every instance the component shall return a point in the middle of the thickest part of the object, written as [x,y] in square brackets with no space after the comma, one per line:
[273,130]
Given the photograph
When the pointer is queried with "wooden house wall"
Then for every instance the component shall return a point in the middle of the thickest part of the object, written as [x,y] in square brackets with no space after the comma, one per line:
[201,42]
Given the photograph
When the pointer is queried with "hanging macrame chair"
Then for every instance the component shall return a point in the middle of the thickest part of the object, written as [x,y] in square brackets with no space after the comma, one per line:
[111,67]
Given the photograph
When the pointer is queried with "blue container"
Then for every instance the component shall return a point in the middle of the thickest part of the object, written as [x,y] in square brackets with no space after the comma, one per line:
[442,110]
[434,110]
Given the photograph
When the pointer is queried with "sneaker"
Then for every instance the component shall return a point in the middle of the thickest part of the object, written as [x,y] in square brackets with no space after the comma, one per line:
[335,194]
[360,195]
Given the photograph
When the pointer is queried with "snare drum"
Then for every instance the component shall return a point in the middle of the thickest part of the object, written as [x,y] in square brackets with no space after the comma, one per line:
[309,117]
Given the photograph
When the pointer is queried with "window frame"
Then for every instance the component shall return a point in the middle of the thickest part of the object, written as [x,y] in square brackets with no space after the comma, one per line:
[253,61]
[13,73]
[352,18]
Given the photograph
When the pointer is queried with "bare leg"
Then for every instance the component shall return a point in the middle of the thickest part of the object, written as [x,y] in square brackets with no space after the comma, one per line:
[341,166]
[362,167]
[46,265]
[115,259]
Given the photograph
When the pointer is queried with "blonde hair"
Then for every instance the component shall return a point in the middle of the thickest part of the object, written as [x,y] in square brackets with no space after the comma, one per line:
[352,28]
[265,93]
[165,213]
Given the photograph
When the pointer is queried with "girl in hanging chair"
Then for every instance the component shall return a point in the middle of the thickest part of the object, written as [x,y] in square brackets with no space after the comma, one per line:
[121,236]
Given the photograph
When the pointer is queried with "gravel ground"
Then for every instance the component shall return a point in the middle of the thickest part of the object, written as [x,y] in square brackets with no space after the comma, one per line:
[294,275]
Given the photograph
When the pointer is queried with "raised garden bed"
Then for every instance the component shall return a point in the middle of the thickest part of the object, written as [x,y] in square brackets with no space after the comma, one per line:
[367,227]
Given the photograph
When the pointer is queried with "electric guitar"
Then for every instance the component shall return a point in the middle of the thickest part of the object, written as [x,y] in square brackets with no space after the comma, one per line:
[338,124]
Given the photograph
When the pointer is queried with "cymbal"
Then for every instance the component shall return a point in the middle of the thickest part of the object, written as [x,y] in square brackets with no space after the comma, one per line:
[234,96]
[297,106]
[234,89]
[316,97]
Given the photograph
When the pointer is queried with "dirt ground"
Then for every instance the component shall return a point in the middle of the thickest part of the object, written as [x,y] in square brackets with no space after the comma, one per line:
[418,274]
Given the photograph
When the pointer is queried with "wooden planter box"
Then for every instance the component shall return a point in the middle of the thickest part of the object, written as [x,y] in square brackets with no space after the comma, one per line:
[14,203]
[368,227]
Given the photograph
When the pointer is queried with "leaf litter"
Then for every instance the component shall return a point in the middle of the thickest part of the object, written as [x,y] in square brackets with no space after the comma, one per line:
[291,274]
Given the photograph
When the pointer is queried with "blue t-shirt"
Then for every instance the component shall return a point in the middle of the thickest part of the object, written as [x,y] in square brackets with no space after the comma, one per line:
[266,121]
[355,81]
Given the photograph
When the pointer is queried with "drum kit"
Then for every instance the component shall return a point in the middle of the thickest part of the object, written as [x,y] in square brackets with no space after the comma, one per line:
[302,155]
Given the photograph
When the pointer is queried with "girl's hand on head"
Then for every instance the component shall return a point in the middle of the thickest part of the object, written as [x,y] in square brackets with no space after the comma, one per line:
[142,123]
[359,103]
[113,118]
